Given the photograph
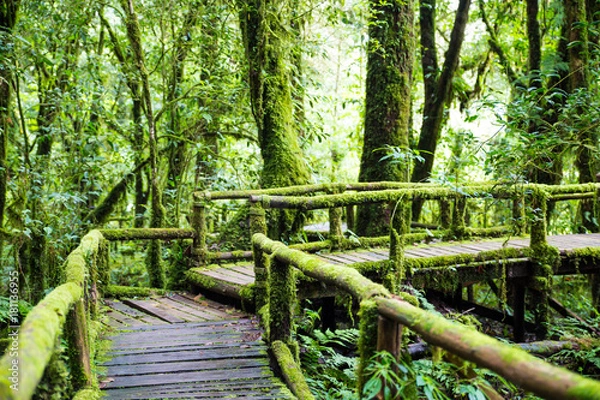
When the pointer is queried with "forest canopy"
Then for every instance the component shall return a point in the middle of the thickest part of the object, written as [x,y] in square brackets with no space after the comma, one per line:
[120,109]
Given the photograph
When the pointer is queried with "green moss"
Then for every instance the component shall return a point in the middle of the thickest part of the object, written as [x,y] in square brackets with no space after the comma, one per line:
[88,394]
[290,370]
[367,341]
[123,292]
[148,233]
[282,291]
[460,259]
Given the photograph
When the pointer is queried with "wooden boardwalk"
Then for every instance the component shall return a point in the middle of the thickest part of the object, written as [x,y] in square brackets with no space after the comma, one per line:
[231,278]
[178,347]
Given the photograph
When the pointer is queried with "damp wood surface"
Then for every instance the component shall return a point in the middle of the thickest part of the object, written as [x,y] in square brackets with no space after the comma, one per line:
[184,346]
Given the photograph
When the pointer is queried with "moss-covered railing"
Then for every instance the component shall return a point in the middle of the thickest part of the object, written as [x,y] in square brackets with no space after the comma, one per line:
[384,315]
[397,196]
[202,200]
[66,312]
[70,312]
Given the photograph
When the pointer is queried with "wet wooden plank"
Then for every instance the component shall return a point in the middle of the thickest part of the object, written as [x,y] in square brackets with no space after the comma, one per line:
[191,313]
[132,312]
[149,308]
[142,336]
[185,377]
[126,349]
[221,274]
[247,349]
[123,319]
[247,270]
[219,389]
[327,258]
[337,258]
[174,367]
[240,323]
[352,258]
[219,311]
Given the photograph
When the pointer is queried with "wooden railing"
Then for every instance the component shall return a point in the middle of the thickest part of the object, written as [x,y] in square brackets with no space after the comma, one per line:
[523,201]
[67,312]
[383,317]
[63,312]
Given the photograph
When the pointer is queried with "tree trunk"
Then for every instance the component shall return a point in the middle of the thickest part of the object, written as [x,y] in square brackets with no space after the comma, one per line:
[388,91]
[585,161]
[8,17]
[435,104]
[263,24]
[178,146]
[546,168]
[154,265]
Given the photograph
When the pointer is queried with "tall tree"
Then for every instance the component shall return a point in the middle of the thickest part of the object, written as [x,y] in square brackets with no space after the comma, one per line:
[437,84]
[132,81]
[390,62]
[155,269]
[178,146]
[264,25]
[8,18]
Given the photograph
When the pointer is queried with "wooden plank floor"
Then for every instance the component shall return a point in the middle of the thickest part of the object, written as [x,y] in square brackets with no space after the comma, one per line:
[242,274]
[180,347]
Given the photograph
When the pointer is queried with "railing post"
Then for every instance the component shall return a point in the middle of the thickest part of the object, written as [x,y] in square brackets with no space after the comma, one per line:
[258,224]
[518,214]
[457,227]
[198,223]
[389,336]
[76,331]
[367,341]
[445,213]
[399,225]
[544,258]
[351,217]
[282,290]
[335,222]
[389,339]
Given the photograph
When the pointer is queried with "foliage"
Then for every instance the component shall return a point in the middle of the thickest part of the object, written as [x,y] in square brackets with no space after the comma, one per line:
[327,359]
[426,379]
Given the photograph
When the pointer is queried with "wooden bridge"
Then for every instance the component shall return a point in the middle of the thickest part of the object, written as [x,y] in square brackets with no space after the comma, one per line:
[176,345]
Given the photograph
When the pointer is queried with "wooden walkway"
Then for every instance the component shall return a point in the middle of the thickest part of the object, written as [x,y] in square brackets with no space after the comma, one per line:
[231,278]
[178,347]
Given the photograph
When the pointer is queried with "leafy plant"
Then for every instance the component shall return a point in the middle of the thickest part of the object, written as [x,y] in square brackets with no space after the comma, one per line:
[328,359]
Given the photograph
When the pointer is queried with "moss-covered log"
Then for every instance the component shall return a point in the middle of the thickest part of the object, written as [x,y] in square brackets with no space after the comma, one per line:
[44,323]
[8,18]
[148,234]
[527,371]
[292,374]
[123,292]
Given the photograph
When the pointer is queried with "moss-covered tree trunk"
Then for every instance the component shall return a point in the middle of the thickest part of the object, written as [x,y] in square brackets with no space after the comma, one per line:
[264,25]
[586,159]
[546,167]
[390,62]
[154,265]
[438,87]
[8,17]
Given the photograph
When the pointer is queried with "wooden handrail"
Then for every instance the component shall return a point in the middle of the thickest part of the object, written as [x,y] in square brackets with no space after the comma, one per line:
[69,303]
[21,372]
[516,365]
